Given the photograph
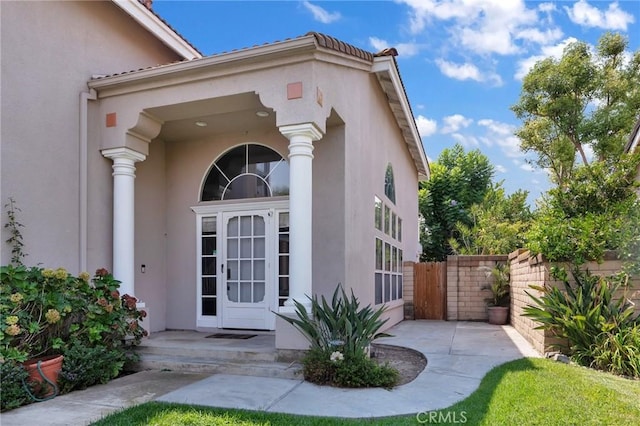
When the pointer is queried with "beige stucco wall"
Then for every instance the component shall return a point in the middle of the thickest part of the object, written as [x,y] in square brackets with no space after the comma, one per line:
[373,140]
[49,52]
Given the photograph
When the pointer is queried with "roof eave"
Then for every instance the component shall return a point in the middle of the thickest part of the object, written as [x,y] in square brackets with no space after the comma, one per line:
[159,29]
[389,78]
[634,138]
[272,51]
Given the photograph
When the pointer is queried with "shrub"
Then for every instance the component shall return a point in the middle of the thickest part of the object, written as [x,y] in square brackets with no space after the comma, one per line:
[13,378]
[618,352]
[355,371]
[587,314]
[47,312]
[360,371]
[317,367]
[86,366]
[340,335]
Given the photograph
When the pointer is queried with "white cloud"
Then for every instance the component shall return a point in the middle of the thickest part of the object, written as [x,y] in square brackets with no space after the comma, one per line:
[426,126]
[500,168]
[483,26]
[614,18]
[502,134]
[320,14]
[405,50]
[535,35]
[555,51]
[527,167]
[467,71]
[546,7]
[467,141]
[453,123]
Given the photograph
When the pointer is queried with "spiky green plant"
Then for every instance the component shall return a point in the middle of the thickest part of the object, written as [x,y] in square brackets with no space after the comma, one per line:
[341,325]
[584,314]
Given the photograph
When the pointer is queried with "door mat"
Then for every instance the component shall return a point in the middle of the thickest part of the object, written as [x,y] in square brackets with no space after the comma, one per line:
[230,336]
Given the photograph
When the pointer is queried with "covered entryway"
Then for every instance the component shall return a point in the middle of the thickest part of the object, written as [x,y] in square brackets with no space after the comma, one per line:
[243,249]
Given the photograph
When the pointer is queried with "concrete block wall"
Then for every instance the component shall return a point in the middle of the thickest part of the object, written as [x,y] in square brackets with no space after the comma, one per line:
[466,282]
[407,290]
[527,270]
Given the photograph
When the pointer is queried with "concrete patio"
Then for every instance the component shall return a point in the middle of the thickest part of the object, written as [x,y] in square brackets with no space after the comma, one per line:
[459,354]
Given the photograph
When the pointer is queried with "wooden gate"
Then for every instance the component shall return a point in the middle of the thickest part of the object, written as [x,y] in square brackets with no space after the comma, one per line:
[430,290]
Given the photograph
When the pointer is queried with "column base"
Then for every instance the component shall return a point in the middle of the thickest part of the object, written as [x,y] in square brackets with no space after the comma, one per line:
[288,337]
[290,307]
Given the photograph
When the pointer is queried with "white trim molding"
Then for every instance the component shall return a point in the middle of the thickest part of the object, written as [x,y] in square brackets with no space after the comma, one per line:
[158,28]
[385,69]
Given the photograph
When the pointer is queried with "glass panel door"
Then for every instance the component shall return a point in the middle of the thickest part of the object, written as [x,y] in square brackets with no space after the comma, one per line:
[247,292]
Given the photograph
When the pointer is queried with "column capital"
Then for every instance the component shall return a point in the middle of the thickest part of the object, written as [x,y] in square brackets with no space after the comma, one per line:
[123,153]
[308,130]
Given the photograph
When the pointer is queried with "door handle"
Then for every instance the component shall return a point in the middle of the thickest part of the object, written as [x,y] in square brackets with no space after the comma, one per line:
[222,267]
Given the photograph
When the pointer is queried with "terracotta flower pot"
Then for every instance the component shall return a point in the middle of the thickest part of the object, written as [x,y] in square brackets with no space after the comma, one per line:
[498,315]
[45,374]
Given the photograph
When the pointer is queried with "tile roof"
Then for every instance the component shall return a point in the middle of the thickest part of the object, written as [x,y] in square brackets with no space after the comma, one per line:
[322,40]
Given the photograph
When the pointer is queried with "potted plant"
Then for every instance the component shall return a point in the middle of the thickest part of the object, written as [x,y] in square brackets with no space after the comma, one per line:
[498,303]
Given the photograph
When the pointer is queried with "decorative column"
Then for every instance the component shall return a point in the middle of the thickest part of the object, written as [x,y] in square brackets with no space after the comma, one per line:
[124,174]
[301,137]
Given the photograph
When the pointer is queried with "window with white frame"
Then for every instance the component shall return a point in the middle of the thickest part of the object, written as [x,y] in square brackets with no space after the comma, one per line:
[388,243]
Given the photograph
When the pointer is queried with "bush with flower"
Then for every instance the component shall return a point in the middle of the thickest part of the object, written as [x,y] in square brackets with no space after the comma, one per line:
[45,312]
[340,334]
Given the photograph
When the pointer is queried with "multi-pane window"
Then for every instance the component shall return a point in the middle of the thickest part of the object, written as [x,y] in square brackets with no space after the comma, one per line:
[283,257]
[209,260]
[388,252]
[247,171]
[388,273]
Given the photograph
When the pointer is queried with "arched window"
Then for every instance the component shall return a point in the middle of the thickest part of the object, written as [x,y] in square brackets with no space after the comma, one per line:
[389,184]
[247,171]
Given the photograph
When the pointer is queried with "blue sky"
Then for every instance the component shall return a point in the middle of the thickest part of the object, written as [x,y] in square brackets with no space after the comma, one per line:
[462,61]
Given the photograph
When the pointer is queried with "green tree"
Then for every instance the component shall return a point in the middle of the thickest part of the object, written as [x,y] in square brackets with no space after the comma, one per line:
[597,210]
[582,100]
[458,180]
[499,224]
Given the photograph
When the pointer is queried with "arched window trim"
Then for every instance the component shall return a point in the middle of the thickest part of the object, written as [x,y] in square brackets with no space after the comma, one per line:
[246,146]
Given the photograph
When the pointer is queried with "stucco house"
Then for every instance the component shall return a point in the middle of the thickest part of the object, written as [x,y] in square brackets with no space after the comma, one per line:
[218,189]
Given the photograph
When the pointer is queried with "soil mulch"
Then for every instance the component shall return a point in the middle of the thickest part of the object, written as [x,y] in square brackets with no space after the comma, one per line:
[408,362]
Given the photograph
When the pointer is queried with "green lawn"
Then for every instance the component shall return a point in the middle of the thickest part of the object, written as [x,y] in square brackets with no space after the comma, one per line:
[523,392]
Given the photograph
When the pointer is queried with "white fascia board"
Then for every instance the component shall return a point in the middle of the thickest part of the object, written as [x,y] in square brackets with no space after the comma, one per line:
[386,64]
[155,26]
[634,138]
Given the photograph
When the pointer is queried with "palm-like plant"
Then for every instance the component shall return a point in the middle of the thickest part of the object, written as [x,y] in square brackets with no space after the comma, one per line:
[341,325]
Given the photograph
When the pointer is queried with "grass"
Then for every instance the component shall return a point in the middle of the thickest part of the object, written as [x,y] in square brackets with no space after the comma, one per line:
[524,392]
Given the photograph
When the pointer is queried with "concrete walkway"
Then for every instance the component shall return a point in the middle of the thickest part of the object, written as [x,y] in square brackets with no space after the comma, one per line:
[459,354]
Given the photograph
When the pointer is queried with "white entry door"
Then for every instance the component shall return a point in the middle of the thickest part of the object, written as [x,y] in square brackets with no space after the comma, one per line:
[247,290]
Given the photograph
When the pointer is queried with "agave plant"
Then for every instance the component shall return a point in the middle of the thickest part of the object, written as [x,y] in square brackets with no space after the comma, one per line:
[340,325]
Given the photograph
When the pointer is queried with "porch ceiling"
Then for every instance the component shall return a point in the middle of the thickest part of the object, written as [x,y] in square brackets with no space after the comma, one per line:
[223,115]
